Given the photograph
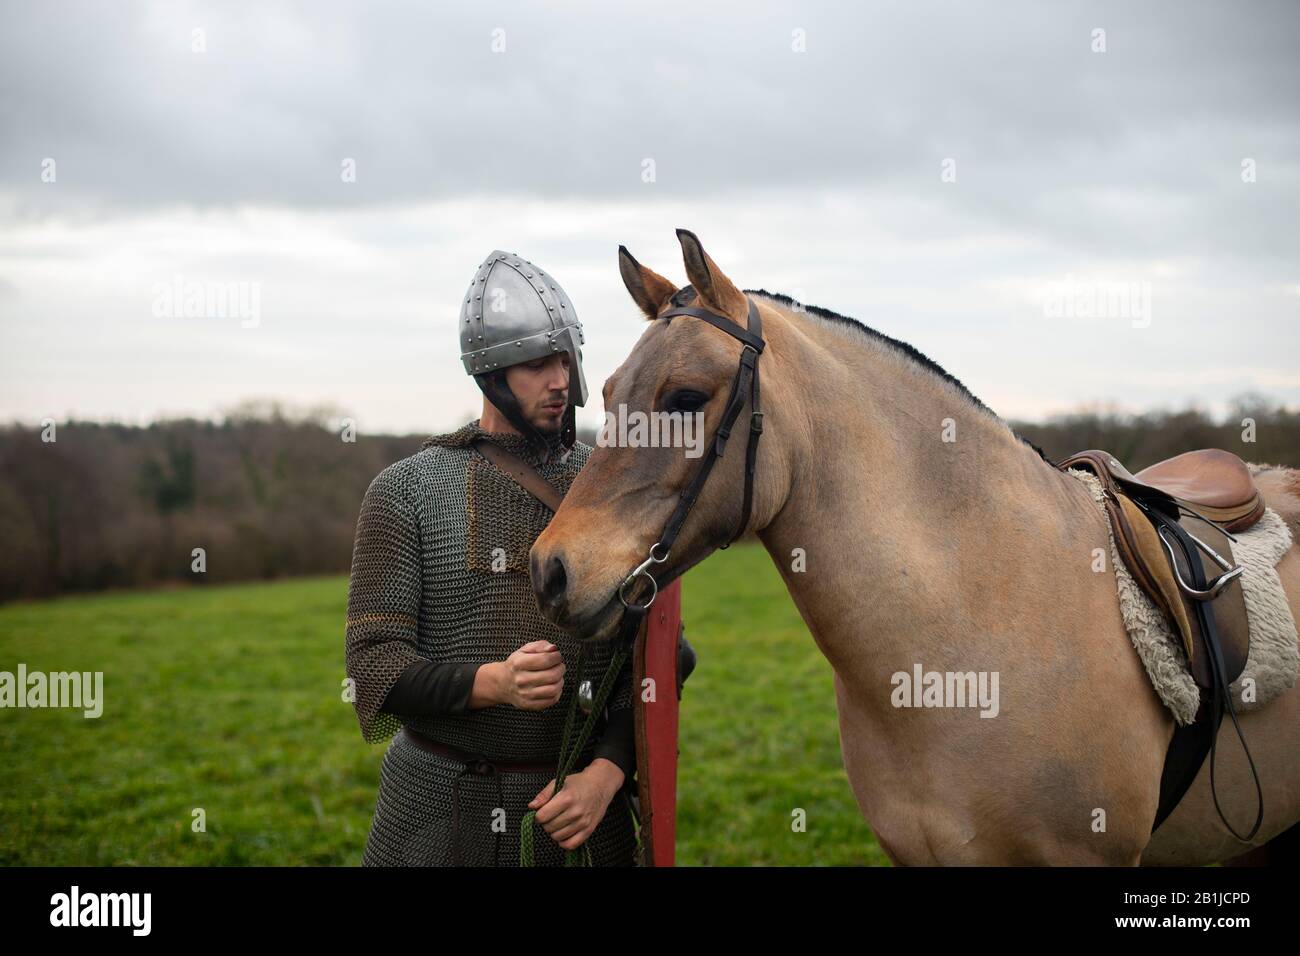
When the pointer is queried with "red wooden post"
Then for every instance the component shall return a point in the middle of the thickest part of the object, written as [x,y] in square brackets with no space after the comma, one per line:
[656,726]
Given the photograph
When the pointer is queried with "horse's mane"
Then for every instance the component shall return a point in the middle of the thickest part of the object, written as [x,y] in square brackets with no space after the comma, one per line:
[907,351]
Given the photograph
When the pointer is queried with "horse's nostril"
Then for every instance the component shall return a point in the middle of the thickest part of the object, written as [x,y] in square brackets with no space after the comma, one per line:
[555,581]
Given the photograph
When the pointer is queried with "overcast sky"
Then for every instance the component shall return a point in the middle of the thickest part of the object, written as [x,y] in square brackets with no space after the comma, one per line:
[939,171]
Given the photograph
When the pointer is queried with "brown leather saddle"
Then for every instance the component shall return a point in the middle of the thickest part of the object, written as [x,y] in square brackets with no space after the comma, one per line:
[1173,524]
[1210,494]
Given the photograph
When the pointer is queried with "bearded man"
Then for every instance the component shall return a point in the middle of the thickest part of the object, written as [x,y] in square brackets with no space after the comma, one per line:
[445,646]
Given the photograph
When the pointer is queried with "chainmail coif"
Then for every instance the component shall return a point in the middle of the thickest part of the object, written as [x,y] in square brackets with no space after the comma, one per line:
[440,572]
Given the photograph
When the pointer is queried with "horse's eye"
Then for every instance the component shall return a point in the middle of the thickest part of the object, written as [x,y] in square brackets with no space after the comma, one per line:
[685,401]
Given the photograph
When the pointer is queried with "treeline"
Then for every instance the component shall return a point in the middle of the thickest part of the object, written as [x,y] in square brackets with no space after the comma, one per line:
[1253,428]
[113,506]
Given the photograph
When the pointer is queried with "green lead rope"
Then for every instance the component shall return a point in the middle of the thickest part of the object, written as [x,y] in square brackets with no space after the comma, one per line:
[570,748]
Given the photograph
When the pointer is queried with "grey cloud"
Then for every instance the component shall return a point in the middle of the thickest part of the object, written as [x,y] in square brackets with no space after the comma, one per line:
[817,171]
[585,91]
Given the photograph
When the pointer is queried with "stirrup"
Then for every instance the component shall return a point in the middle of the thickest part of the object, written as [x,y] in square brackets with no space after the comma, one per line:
[1217,585]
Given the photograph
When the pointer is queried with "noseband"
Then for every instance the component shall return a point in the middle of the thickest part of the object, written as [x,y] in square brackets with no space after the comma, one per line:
[745,381]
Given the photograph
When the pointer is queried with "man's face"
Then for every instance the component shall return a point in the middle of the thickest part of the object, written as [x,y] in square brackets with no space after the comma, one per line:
[542,389]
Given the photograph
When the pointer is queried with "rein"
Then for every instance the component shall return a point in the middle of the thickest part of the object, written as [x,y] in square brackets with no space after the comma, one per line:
[743,386]
[571,746]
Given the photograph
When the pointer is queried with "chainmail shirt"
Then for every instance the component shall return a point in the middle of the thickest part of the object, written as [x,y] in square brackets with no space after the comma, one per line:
[440,573]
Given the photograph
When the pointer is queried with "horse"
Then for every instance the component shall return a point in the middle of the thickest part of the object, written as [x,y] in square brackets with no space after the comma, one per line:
[915,531]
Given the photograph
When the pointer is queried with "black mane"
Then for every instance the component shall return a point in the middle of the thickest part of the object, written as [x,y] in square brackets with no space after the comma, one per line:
[909,351]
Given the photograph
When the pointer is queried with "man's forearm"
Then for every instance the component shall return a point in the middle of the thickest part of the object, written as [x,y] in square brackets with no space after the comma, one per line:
[487,686]
[618,743]
[428,689]
[609,775]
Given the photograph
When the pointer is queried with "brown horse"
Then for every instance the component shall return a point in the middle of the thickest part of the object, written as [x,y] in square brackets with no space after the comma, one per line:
[916,532]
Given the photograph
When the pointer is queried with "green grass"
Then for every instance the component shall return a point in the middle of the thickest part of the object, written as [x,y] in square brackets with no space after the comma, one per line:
[229,699]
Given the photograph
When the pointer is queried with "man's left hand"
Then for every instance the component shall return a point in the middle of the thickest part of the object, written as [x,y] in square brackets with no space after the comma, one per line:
[571,816]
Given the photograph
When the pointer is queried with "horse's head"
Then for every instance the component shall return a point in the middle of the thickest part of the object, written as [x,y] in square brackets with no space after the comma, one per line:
[684,370]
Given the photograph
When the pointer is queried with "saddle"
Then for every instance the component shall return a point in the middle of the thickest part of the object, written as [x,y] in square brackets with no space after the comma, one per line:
[1209,494]
[1173,524]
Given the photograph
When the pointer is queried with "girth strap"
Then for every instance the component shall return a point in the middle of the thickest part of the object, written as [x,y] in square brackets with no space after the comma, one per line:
[1190,744]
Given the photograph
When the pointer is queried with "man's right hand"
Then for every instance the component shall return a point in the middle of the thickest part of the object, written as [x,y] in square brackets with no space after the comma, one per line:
[531,678]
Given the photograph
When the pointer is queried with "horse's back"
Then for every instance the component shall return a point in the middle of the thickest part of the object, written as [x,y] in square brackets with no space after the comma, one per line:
[1280,487]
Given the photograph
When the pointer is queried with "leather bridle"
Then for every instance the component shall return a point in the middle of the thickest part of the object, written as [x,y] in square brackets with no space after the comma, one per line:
[743,386]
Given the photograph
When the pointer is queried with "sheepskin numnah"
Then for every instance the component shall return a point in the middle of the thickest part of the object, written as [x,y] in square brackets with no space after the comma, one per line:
[1274,658]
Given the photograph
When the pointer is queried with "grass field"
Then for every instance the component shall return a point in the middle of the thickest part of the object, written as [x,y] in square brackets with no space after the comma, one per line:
[228,699]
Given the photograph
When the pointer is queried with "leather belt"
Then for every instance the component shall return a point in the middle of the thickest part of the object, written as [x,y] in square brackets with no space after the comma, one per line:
[478,766]
[476,763]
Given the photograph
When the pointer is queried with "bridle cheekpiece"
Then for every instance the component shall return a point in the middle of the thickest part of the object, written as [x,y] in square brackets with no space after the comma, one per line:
[743,385]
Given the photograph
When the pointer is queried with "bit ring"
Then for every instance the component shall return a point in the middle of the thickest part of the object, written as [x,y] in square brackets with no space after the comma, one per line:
[642,570]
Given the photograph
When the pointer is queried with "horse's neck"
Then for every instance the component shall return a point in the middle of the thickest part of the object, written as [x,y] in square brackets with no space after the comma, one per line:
[908,510]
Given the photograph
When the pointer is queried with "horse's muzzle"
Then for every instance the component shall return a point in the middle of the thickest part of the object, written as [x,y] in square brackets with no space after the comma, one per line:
[550,585]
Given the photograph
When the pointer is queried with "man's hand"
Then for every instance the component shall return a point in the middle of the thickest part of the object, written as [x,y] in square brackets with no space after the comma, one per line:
[531,678]
[571,816]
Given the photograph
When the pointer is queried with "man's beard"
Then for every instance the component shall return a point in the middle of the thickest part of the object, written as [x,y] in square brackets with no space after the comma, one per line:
[548,425]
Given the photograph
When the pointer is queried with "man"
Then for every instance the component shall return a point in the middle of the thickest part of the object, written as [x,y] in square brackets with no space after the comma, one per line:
[445,644]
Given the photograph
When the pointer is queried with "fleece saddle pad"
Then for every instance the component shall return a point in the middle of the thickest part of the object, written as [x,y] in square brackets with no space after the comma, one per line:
[1274,659]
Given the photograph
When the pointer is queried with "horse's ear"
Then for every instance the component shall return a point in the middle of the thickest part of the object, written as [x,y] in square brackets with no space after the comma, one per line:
[710,282]
[648,288]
